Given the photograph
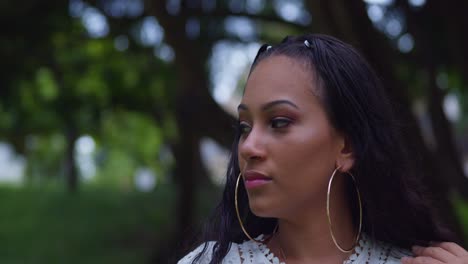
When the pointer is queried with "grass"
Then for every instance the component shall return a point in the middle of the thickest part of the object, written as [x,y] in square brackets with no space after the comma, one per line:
[93,226]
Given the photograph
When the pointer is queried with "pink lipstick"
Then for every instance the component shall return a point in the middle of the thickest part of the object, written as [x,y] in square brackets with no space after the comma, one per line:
[253,179]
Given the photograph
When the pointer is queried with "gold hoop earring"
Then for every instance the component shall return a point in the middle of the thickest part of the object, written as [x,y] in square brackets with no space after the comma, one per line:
[238,214]
[329,217]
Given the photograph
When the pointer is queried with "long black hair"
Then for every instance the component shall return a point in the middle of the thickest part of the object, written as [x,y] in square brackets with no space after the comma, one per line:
[395,208]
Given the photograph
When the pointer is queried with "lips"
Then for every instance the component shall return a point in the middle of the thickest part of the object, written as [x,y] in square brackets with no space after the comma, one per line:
[253,179]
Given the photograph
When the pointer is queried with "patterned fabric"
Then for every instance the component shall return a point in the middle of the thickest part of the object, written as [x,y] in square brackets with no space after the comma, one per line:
[249,252]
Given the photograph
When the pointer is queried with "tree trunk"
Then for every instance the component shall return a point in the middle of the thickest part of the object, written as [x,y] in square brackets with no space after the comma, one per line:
[71,174]
[197,115]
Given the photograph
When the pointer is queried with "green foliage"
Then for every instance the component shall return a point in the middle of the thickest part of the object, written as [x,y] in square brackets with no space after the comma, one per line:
[461,207]
[6,118]
[45,154]
[46,84]
[416,79]
[86,86]
[117,170]
[133,131]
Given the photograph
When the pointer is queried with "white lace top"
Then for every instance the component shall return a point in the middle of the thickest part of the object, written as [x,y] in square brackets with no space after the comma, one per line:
[366,252]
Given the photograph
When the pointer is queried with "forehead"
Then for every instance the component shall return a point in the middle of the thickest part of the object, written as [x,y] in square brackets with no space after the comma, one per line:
[280,77]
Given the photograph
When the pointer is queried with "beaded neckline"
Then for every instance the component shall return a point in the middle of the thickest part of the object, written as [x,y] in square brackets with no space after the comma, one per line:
[362,247]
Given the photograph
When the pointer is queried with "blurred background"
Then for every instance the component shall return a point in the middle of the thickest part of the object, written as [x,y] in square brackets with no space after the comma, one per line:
[116,115]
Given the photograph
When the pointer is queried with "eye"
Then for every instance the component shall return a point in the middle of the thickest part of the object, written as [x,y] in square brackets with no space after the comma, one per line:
[280,122]
[244,127]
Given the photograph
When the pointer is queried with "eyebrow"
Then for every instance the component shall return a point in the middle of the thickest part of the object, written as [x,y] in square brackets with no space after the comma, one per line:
[269,105]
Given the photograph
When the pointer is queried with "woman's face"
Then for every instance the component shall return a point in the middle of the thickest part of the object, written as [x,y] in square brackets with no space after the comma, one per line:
[287,149]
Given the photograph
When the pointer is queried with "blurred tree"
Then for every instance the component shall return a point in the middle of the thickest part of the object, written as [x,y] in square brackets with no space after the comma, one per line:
[66,80]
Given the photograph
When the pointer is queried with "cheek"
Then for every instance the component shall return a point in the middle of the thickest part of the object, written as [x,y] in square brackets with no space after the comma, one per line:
[241,164]
[240,160]
[308,156]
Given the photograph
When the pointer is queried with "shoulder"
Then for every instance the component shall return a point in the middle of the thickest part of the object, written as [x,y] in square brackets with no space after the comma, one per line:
[207,248]
[370,251]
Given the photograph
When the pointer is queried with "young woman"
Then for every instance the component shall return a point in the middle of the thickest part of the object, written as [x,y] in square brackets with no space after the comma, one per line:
[318,172]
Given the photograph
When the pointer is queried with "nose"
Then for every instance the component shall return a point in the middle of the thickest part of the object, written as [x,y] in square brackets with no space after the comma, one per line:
[252,146]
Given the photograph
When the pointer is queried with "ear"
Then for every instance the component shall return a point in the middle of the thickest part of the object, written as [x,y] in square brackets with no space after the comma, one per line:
[345,158]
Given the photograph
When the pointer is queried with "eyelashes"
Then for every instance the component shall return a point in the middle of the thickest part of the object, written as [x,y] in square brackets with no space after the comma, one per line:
[243,127]
[277,123]
[280,122]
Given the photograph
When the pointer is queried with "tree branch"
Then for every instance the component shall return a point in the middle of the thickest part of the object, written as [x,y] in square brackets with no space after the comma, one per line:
[223,13]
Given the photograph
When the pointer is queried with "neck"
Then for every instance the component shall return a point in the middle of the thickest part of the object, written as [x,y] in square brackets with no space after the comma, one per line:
[304,237]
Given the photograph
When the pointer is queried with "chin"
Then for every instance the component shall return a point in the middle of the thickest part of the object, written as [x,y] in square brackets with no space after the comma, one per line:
[262,209]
